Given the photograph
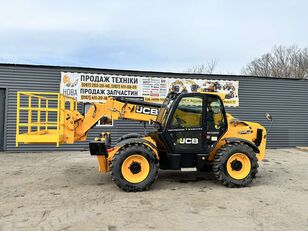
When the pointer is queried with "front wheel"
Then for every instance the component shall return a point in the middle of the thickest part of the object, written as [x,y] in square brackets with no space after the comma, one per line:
[134,168]
[235,165]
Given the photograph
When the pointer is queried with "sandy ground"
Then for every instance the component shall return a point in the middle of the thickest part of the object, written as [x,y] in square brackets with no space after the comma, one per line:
[63,191]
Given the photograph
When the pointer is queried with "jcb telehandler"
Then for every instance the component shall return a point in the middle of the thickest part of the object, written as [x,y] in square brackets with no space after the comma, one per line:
[192,130]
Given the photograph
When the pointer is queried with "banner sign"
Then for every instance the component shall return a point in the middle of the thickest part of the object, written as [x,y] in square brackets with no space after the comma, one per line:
[86,87]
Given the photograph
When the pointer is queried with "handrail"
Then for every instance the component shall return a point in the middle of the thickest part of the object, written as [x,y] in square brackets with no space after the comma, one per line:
[41,104]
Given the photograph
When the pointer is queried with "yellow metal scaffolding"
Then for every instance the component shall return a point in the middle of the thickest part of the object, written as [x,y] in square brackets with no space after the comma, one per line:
[45,112]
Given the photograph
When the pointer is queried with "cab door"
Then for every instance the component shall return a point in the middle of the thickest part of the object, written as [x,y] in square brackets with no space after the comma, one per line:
[185,131]
[215,120]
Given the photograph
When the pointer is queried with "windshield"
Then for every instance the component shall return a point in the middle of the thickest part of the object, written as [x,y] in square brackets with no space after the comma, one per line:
[163,112]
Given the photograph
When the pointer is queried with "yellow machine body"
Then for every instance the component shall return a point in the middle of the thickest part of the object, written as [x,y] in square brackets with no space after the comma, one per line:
[54,118]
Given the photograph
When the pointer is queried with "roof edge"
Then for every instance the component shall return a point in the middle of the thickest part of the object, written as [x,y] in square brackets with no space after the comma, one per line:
[131,71]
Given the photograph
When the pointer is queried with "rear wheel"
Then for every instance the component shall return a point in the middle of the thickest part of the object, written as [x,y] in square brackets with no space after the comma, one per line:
[235,165]
[134,168]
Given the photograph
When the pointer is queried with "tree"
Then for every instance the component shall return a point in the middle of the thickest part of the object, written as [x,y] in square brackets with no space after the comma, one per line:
[207,68]
[284,62]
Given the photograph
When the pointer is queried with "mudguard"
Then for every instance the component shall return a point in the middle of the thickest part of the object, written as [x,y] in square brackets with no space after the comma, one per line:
[143,140]
[127,136]
[239,140]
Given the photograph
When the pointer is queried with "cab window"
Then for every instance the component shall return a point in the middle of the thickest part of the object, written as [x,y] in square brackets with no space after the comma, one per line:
[188,113]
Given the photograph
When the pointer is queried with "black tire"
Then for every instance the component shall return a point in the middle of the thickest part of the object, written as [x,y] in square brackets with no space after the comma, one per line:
[125,152]
[220,164]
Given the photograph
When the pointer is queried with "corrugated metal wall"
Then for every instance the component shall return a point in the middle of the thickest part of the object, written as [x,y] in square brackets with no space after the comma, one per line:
[286,100]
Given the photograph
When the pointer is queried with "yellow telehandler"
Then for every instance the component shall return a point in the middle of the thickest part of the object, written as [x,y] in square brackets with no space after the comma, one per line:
[192,131]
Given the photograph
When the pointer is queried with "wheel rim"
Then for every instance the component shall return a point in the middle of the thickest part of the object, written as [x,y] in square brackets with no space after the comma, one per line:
[238,166]
[135,168]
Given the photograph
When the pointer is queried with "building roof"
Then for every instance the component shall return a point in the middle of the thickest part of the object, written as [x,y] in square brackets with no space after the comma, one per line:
[140,72]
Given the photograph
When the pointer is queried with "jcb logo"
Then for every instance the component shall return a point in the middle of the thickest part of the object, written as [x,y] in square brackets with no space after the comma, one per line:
[146,110]
[188,141]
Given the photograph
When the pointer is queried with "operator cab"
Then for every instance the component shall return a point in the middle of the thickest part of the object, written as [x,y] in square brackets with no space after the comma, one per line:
[190,125]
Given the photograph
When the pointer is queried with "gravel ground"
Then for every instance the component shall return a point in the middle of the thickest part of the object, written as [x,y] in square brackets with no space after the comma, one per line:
[63,191]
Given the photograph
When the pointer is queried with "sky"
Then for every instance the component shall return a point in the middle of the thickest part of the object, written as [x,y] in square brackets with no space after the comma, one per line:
[150,35]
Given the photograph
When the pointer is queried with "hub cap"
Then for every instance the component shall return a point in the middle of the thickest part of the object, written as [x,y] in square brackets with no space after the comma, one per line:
[135,167]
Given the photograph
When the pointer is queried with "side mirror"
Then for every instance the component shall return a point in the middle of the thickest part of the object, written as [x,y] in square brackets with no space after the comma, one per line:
[268,117]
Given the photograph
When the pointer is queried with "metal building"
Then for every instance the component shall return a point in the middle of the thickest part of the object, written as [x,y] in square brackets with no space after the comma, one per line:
[285,99]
